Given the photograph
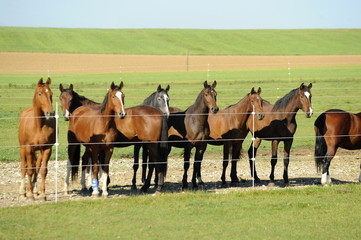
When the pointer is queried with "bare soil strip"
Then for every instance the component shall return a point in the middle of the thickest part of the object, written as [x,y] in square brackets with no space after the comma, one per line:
[107,63]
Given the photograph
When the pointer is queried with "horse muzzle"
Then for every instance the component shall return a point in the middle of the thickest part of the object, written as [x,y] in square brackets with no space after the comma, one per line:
[309,113]
[214,109]
[260,116]
[122,115]
[49,114]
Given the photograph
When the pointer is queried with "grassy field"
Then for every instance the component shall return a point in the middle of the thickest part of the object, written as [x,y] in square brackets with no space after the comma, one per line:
[181,41]
[305,213]
[185,86]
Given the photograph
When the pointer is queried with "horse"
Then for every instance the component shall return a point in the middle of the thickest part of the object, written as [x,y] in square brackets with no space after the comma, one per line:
[228,128]
[160,100]
[335,129]
[36,133]
[142,114]
[190,129]
[96,129]
[279,124]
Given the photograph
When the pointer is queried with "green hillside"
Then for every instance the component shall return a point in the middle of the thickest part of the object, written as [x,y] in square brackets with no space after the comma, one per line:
[181,41]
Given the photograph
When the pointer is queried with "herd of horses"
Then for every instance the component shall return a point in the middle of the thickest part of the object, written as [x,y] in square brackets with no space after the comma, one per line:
[156,127]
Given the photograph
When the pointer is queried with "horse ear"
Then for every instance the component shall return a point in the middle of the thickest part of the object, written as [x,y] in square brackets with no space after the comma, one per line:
[112,86]
[253,91]
[71,87]
[40,81]
[302,86]
[48,81]
[167,89]
[205,84]
[214,84]
[121,85]
[61,88]
[259,91]
[159,88]
[310,86]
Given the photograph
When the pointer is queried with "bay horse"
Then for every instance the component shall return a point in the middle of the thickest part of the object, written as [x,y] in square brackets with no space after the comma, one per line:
[335,129]
[160,100]
[142,116]
[279,125]
[190,129]
[96,129]
[36,133]
[229,128]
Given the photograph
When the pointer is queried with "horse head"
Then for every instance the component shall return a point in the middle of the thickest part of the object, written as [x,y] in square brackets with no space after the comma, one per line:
[256,101]
[66,98]
[209,95]
[305,97]
[116,99]
[43,98]
[161,100]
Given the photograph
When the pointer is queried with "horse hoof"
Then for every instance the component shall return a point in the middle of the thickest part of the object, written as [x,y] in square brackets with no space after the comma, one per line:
[195,188]
[42,198]
[257,180]
[105,196]
[30,198]
[22,196]
[224,185]
[134,188]
[271,184]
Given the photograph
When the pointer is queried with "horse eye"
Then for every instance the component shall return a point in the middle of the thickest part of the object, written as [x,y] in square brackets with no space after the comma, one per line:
[39,94]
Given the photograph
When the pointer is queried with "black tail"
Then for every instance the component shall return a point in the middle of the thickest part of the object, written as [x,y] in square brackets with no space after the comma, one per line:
[74,155]
[320,146]
[163,146]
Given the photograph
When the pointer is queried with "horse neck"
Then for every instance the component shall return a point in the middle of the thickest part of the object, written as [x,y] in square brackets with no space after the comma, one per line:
[149,100]
[75,102]
[290,110]
[242,111]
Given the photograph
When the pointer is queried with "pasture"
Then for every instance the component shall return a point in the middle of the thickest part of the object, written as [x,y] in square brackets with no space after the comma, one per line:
[241,212]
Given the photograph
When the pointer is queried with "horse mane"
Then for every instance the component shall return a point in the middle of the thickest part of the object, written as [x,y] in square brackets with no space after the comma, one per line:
[282,103]
[149,99]
[104,103]
[238,101]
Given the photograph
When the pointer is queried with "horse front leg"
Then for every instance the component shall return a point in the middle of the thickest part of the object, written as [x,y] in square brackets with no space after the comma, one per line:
[95,160]
[236,152]
[286,159]
[136,165]
[252,153]
[23,166]
[326,178]
[187,155]
[108,152]
[226,148]
[273,159]
[197,176]
[44,171]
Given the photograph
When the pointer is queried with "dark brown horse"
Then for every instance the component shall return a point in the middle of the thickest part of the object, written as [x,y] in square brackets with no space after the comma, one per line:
[279,124]
[335,129]
[229,128]
[190,129]
[36,133]
[96,129]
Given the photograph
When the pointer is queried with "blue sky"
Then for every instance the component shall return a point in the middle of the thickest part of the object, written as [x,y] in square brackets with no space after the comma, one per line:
[196,14]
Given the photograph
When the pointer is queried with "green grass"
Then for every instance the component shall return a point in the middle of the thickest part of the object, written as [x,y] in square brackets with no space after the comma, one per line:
[181,41]
[333,87]
[305,213]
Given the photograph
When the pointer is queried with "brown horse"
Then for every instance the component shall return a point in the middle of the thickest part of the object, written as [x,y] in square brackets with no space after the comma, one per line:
[335,128]
[36,133]
[96,129]
[229,128]
[279,124]
[190,129]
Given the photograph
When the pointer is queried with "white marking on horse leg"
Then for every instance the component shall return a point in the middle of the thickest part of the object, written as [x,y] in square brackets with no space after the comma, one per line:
[88,176]
[105,187]
[95,187]
[324,179]
[22,189]
[329,180]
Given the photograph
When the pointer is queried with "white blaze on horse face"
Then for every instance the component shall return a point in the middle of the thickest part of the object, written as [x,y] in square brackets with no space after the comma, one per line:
[119,95]
[67,113]
[308,94]
[166,106]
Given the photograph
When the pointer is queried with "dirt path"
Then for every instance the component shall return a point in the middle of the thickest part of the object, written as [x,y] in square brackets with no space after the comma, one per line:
[107,63]
[345,168]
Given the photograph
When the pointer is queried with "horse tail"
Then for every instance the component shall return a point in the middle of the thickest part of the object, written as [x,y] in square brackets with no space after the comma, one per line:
[75,163]
[164,146]
[320,146]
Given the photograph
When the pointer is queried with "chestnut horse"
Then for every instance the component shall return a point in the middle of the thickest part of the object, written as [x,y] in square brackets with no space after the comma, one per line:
[279,124]
[96,129]
[190,129]
[335,128]
[36,133]
[229,128]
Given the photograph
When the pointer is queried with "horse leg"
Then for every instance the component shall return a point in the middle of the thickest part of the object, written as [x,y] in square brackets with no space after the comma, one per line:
[85,170]
[187,155]
[160,171]
[197,164]
[286,159]
[226,148]
[252,153]
[44,171]
[136,166]
[144,163]
[146,184]
[273,159]
[37,170]
[108,152]
[30,170]
[236,152]
[95,183]
[359,177]
[23,166]
[326,178]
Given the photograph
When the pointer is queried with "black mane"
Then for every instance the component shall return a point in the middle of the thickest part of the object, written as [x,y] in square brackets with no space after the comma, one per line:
[282,103]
